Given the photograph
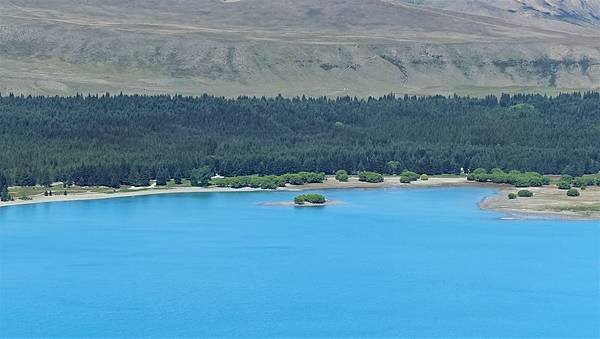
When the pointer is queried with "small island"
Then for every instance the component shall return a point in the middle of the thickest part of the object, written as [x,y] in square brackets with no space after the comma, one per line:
[310,199]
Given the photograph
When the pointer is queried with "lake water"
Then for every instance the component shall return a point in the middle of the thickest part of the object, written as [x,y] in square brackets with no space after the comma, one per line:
[385,262]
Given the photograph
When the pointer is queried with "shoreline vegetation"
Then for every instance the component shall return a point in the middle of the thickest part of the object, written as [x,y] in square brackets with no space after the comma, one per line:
[546,200]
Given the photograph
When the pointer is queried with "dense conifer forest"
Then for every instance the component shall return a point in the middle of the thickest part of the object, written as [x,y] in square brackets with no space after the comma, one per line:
[129,139]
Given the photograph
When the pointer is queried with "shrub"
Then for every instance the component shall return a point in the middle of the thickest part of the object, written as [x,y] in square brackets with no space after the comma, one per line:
[566,177]
[405,180]
[563,184]
[477,174]
[525,193]
[341,175]
[310,198]
[372,177]
[424,177]
[412,176]
[573,192]
[512,196]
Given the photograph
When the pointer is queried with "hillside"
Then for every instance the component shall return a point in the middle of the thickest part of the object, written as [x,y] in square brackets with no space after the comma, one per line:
[335,47]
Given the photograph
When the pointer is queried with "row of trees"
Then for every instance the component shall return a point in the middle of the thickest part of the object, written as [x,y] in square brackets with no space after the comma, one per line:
[131,139]
[516,178]
[269,181]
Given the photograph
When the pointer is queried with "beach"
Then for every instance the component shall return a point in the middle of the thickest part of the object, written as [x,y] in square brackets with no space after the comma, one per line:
[548,201]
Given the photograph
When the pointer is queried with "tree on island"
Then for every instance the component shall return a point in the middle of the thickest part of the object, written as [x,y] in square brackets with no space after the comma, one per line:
[312,198]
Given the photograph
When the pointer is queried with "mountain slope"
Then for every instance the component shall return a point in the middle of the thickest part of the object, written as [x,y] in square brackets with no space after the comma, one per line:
[335,47]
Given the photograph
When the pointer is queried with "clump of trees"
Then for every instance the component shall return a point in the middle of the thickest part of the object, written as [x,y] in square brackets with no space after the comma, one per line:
[254,181]
[392,167]
[341,175]
[312,198]
[512,196]
[302,178]
[573,192]
[4,195]
[201,176]
[372,177]
[516,178]
[525,194]
[406,177]
[567,181]
[424,177]
[269,181]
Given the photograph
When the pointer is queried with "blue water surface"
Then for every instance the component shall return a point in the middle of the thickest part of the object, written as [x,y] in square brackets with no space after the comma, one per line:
[384,262]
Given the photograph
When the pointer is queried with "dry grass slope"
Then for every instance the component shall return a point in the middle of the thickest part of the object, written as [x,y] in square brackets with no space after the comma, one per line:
[260,47]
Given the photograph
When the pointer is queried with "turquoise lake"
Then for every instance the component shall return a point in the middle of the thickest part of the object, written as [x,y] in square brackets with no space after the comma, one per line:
[384,262]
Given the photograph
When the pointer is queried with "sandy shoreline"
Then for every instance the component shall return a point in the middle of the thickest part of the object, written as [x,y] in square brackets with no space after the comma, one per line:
[331,183]
[548,201]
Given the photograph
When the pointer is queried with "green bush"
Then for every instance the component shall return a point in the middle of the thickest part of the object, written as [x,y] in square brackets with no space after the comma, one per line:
[477,174]
[563,184]
[310,198]
[512,196]
[372,177]
[404,180]
[341,175]
[573,192]
[525,193]
[424,177]
[566,177]
[412,176]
